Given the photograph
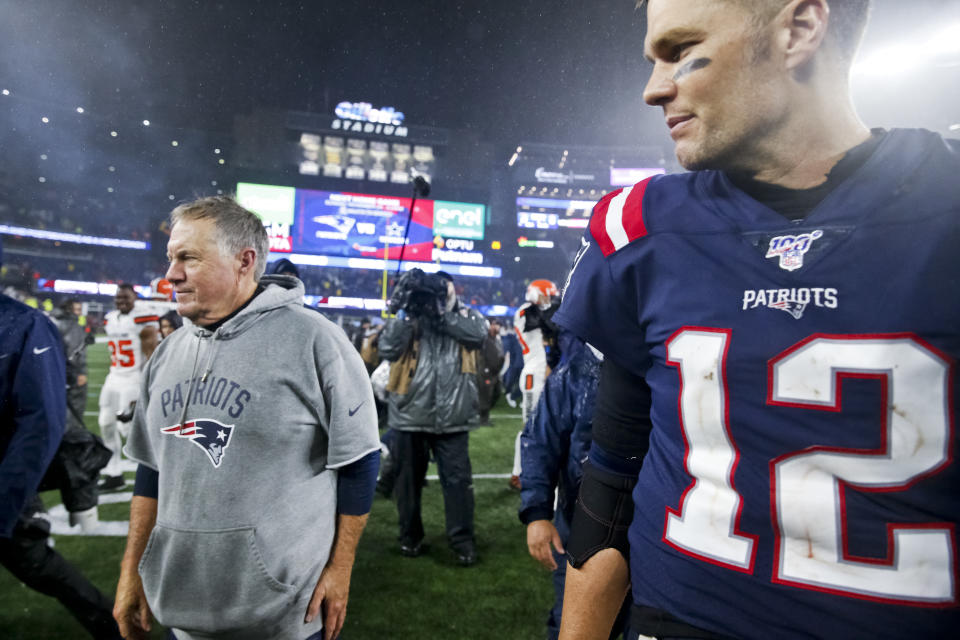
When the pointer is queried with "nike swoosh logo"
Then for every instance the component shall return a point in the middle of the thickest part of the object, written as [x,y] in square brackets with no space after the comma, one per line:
[37,352]
[357,409]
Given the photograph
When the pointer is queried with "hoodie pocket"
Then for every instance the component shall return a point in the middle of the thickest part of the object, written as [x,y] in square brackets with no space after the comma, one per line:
[211,581]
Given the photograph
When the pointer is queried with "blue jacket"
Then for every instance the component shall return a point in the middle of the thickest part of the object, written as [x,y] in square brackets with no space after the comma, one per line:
[556,438]
[33,404]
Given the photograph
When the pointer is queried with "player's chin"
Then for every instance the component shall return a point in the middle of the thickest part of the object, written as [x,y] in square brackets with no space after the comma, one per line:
[693,158]
[186,309]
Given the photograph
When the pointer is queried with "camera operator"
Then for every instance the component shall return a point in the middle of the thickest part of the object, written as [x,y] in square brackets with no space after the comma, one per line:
[432,345]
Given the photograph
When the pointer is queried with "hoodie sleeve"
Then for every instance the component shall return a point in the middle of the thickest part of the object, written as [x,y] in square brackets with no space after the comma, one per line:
[351,415]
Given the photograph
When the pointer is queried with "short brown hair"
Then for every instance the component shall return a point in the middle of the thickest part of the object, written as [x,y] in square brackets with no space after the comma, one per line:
[237,228]
[848,19]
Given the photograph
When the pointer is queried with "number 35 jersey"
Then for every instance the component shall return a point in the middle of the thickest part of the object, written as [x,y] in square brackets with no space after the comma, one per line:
[801,480]
[123,339]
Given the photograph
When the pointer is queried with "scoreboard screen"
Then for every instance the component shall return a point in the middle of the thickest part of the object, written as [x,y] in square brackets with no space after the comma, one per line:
[356,225]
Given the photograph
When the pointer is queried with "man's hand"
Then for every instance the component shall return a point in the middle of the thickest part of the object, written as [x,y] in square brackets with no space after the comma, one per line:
[333,587]
[331,593]
[81,379]
[540,534]
[130,608]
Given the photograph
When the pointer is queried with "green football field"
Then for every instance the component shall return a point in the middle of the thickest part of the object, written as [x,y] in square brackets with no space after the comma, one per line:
[505,596]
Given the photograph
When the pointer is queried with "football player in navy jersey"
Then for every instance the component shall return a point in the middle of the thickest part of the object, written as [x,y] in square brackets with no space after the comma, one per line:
[791,307]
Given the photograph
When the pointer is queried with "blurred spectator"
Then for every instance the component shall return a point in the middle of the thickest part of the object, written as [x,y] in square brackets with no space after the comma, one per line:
[555,442]
[489,362]
[169,322]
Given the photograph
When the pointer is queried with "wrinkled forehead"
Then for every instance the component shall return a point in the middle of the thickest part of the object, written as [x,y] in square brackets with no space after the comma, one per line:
[192,235]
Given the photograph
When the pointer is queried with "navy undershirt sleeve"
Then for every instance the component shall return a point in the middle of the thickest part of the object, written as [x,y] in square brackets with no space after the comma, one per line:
[356,486]
[147,483]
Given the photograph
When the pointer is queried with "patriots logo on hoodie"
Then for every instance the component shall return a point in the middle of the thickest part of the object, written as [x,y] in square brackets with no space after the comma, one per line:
[210,435]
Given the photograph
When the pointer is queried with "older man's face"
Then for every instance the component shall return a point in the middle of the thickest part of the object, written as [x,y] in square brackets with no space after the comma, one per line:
[207,283]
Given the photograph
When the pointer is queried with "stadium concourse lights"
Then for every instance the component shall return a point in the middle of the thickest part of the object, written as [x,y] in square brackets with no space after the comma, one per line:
[146,123]
[6,92]
[80,110]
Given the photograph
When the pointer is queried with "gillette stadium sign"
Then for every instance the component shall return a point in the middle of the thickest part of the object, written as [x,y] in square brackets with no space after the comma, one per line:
[362,117]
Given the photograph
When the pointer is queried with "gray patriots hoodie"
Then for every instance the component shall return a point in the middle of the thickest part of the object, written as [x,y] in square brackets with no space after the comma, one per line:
[246,427]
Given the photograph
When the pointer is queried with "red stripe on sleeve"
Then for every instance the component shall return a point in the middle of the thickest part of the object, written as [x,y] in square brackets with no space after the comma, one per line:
[633,212]
[598,223]
[144,319]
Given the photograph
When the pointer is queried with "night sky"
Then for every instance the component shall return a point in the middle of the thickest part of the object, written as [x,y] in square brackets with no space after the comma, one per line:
[512,71]
[508,69]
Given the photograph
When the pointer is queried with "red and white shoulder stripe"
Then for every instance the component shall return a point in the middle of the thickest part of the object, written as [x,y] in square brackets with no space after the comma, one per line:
[618,218]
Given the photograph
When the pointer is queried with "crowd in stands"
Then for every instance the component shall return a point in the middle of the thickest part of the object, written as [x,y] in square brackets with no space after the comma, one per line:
[52,207]
[362,283]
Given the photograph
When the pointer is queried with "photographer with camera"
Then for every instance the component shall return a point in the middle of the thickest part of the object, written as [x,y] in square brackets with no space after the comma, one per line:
[432,346]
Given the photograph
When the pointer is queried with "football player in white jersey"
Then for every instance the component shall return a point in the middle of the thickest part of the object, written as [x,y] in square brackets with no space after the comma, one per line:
[131,337]
[534,330]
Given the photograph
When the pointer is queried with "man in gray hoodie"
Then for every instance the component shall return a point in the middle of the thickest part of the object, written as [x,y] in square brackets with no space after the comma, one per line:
[256,435]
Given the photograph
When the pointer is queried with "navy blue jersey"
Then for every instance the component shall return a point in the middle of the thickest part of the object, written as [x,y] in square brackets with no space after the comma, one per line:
[800,479]
[33,404]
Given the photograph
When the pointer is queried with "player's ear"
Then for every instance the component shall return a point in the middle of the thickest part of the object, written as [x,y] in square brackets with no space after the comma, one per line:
[248,260]
[804,25]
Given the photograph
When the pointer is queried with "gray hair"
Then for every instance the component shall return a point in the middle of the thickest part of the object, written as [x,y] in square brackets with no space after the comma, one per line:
[237,228]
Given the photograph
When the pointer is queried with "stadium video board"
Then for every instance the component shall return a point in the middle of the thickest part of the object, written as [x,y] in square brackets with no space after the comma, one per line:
[543,223]
[356,225]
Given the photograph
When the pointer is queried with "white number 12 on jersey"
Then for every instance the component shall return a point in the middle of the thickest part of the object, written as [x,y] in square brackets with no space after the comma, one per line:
[808,486]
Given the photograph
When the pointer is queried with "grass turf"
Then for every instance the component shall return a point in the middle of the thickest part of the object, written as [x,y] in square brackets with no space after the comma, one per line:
[506,595]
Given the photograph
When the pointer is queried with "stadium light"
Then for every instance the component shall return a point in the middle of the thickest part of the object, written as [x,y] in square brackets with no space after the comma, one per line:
[146,123]
[174,143]
[955,127]
[45,120]
[113,134]
[919,51]
[6,92]
[41,179]
[79,109]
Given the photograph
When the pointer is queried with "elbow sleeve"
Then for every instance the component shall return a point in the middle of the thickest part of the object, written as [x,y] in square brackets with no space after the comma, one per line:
[602,515]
